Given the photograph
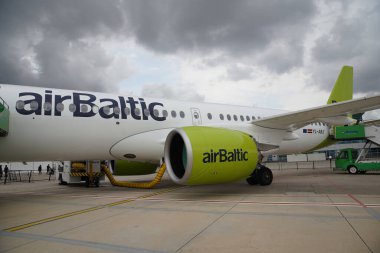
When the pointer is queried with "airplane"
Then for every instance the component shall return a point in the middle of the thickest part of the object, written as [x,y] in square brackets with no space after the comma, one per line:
[200,143]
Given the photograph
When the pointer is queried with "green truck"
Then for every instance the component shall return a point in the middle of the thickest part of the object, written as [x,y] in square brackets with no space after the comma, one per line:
[348,160]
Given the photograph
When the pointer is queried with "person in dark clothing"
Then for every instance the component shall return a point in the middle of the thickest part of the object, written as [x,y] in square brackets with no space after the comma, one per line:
[39,169]
[48,169]
[1,172]
[6,170]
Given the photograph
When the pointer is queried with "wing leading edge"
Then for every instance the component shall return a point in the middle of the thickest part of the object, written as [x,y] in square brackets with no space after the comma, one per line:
[336,114]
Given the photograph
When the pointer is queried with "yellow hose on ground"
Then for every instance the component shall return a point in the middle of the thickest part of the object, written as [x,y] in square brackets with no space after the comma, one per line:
[143,185]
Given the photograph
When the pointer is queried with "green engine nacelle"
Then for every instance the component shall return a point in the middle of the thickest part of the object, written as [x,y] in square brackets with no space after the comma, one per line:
[206,155]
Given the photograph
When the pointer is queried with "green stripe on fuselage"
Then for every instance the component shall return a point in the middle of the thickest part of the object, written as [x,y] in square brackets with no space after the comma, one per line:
[326,142]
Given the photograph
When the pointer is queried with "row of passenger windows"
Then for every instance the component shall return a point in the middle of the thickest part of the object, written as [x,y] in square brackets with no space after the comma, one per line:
[116,110]
[318,124]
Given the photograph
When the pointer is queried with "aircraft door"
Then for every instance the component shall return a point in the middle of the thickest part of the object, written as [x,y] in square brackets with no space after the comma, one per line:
[196,116]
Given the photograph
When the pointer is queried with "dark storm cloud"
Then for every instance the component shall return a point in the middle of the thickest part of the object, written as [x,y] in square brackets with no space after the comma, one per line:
[354,41]
[62,43]
[237,28]
[49,43]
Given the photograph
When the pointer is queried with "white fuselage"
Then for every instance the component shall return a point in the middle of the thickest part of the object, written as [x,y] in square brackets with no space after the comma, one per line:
[55,124]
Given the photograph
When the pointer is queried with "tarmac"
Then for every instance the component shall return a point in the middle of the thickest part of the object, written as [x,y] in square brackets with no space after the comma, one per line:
[303,210]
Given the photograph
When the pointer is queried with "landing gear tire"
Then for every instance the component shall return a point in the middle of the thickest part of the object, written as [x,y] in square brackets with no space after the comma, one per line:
[96,182]
[352,170]
[265,176]
[262,175]
[253,180]
[87,182]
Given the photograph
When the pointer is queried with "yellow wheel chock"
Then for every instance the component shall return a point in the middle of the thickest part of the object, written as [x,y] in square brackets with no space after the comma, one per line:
[142,185]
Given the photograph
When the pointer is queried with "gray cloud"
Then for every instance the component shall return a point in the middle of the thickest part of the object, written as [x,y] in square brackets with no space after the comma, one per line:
[50,43]
[354,41]
[183,93]
[240,28]
[62,43]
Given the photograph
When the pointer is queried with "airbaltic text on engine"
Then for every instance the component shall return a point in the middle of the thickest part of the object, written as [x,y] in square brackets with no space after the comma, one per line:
[223,155]
[80,99]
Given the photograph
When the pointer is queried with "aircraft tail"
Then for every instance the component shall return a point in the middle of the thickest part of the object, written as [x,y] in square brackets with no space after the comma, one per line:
[343,88]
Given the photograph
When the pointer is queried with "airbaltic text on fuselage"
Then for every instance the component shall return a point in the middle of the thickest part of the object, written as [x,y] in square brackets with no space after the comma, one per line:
[80,99]
[223,155]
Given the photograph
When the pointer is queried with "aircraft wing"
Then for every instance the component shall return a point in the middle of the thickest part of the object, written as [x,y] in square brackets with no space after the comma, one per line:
[375,122]
[335,114]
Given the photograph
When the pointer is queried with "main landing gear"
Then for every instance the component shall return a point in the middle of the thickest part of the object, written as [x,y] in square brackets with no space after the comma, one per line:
[261,175]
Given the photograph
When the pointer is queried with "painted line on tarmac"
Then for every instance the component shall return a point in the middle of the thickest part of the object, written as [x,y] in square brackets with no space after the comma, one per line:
[87,210]
[282,203]
[92,245]
[356,200]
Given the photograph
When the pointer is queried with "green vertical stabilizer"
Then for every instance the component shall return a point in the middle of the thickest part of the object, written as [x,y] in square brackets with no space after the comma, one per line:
[343,88]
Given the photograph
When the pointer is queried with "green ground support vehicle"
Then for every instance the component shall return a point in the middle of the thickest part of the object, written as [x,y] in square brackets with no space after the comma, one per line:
[349,159]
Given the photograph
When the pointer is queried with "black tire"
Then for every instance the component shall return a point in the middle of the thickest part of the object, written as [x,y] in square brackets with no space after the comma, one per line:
[87,182]
[97,182]
[253,180]
[265,176]
[352,170]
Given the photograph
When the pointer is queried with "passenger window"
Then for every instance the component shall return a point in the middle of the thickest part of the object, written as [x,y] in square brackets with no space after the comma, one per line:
[127,111]
[137,111]
[235,117]
[156,112]
[174,114]
[20,104]
[221,116]
[228,117]
[209,116]
[146,112]
[165,113]
[47,106]
[106,110]
[247,117]
[60,107]
[34,105]
[72,108]
[181,114]
[241,117]
[116,110]
[258,117]
[253,117]
[84,108]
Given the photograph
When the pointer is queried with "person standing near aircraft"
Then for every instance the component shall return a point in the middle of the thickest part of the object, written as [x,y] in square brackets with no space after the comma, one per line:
[6,170]
[1,172]
[39,169]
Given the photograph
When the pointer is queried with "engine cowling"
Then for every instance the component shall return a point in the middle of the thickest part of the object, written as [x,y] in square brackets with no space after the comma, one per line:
[207,155]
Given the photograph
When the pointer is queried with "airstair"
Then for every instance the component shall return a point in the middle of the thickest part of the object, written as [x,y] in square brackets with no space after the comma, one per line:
[4,118]
[371,133]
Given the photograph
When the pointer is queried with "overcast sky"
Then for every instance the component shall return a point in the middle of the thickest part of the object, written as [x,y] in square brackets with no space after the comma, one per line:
[279,54]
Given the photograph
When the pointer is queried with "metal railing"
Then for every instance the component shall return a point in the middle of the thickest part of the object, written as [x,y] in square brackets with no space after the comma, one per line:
[25,176]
